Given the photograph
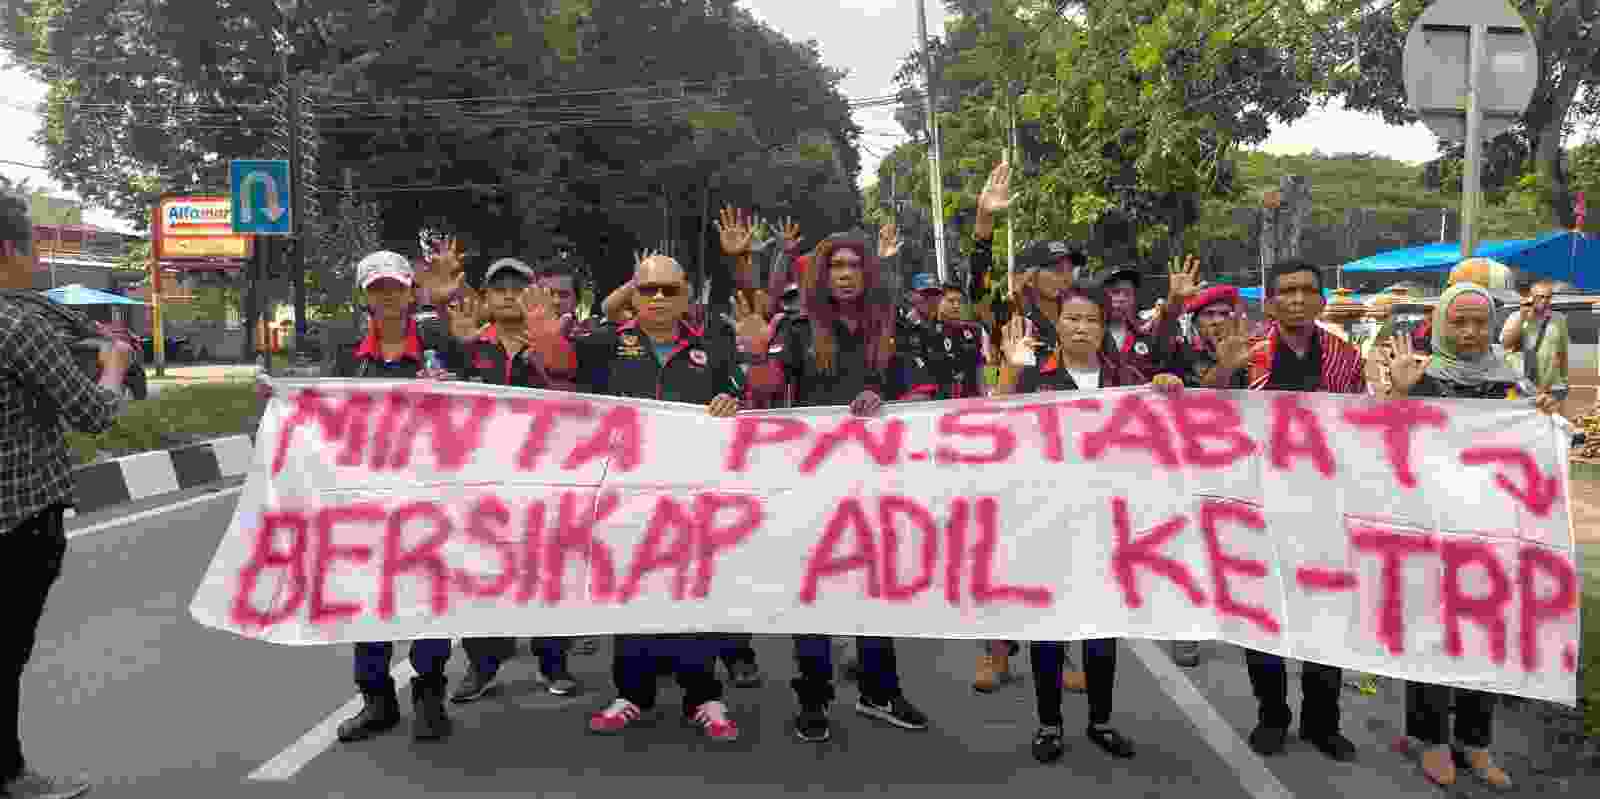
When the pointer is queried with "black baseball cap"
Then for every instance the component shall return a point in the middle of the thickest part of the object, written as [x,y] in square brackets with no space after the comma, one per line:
[1046,253]
[1128,273]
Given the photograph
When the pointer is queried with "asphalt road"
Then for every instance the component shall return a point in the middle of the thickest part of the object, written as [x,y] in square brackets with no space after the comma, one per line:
[126,687]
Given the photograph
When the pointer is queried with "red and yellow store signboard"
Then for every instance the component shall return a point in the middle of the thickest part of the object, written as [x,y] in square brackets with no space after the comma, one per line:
[198,227]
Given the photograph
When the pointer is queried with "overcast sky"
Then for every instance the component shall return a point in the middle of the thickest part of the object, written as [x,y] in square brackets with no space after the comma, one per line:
[867,37]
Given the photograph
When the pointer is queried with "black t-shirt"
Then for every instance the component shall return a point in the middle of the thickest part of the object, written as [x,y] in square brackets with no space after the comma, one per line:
[851,375]
[1191,362]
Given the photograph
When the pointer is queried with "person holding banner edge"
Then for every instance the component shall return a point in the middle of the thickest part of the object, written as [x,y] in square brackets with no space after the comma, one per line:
[840,351]
[1086,358]
[658,356]
[502,354]
[1295,354]
[1464,364]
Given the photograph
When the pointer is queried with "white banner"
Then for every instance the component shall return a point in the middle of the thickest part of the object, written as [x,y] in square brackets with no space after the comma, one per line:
[1421,539]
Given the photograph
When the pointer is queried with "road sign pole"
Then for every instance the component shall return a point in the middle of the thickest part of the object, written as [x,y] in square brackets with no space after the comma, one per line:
[1471,173]
[158,337]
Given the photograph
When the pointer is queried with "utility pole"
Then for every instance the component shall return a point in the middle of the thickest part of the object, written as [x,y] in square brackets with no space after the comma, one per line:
[295,242]
[935,173]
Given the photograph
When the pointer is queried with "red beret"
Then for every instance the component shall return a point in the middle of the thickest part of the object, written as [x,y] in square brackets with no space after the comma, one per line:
[1212,296]
[802,264]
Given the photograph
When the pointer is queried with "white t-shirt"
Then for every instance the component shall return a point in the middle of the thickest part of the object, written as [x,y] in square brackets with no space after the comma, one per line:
[1086,380]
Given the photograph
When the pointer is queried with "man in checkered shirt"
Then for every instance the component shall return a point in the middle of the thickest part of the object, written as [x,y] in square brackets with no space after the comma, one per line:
[41,387]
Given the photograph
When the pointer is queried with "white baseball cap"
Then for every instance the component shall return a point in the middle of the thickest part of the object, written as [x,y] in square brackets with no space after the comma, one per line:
[511,264]
[385,264]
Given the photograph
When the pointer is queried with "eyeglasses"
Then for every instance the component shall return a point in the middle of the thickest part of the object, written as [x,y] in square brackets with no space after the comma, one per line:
[658,289]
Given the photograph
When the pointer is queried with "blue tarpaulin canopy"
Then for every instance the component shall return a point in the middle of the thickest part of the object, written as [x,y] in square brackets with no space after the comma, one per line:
[1253,294]
[79,294]
[1571,257]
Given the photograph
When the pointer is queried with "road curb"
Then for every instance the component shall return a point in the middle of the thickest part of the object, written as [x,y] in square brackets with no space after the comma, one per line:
[98,486]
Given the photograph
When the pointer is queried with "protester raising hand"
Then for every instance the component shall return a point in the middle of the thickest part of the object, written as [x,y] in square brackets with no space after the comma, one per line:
[1019,346]
[1183,280]
[466,314]
[749,326]
[888,241]
[1405,365]
[736,232]
[1233,346]
[791,235]
[996,195]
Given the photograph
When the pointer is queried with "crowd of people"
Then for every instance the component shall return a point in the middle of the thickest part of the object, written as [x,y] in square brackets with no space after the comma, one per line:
[817,329]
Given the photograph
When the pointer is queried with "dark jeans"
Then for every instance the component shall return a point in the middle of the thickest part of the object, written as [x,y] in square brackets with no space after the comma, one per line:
[487,654]
[1428,714]
[30,562]
[1319,688]
[736,649]
[1099,670]
[428,657]
[813,654]
[640,659]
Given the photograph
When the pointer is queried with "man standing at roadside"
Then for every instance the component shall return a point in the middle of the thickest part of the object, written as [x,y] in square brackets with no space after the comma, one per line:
[1297,355]
[1540,335]
[41,387]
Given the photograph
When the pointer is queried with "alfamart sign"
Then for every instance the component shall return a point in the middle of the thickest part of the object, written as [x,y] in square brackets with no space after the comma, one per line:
[199,227]
[1427,540]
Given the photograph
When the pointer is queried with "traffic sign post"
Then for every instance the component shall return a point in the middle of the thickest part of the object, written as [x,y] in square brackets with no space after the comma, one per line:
[1471,67]
[262,198]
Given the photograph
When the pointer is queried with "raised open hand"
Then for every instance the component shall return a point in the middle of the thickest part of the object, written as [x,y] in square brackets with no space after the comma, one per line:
[791,235]
[1406,366]
[749,325]
[888,241]
[1183,279]
[1233,347]
[466,313]
[1019,345]
[735,231]
[996,195]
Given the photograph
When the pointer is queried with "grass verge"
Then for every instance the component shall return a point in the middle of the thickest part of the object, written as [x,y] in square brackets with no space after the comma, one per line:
[167,419]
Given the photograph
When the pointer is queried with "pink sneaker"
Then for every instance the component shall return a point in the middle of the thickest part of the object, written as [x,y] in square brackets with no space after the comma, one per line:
[713,720]
[615,718]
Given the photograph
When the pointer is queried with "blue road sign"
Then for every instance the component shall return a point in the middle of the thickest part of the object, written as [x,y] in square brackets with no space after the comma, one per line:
[260,192]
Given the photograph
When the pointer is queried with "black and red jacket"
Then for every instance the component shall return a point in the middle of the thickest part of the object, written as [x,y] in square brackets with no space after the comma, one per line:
[485,361]
[1051,376]
[365,359]
[952,350]
[791,351]
[622,362]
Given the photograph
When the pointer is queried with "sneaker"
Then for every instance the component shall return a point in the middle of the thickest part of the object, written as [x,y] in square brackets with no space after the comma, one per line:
[744,675]
[473,686]
[812,726]
[1047,745]
[897,711]
[379,713]
[712,718]
[1186,653]
[31,784]
[561,684]
[615,718]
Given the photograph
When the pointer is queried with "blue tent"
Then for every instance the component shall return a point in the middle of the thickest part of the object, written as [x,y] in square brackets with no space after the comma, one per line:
[1253,294]
[79,294]
[1571,257]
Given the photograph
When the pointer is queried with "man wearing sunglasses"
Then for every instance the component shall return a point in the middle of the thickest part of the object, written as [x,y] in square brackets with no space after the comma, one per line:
[659,355]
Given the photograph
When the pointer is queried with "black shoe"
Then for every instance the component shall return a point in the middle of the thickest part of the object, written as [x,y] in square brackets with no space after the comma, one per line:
[1047,745]
[429,721]
[897,711]
[562,683]
[1112,742]
[1268,741]
[811,726]
[1335,746]
[379,714]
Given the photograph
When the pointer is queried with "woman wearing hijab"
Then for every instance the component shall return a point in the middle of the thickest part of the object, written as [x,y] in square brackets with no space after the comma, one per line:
[1084,359]
[1466,364]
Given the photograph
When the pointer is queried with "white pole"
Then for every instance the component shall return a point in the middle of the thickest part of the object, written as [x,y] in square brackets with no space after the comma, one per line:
[1471,176]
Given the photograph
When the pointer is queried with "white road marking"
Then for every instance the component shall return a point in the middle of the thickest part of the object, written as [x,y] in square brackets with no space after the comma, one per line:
[1253,773]
[321,737]
[121,521]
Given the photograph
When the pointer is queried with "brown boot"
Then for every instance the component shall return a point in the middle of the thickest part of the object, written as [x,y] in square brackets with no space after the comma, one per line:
[992,671]
[1486,769]
[1439,764]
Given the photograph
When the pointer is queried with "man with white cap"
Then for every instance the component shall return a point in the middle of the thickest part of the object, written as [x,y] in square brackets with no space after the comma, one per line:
[395,348]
